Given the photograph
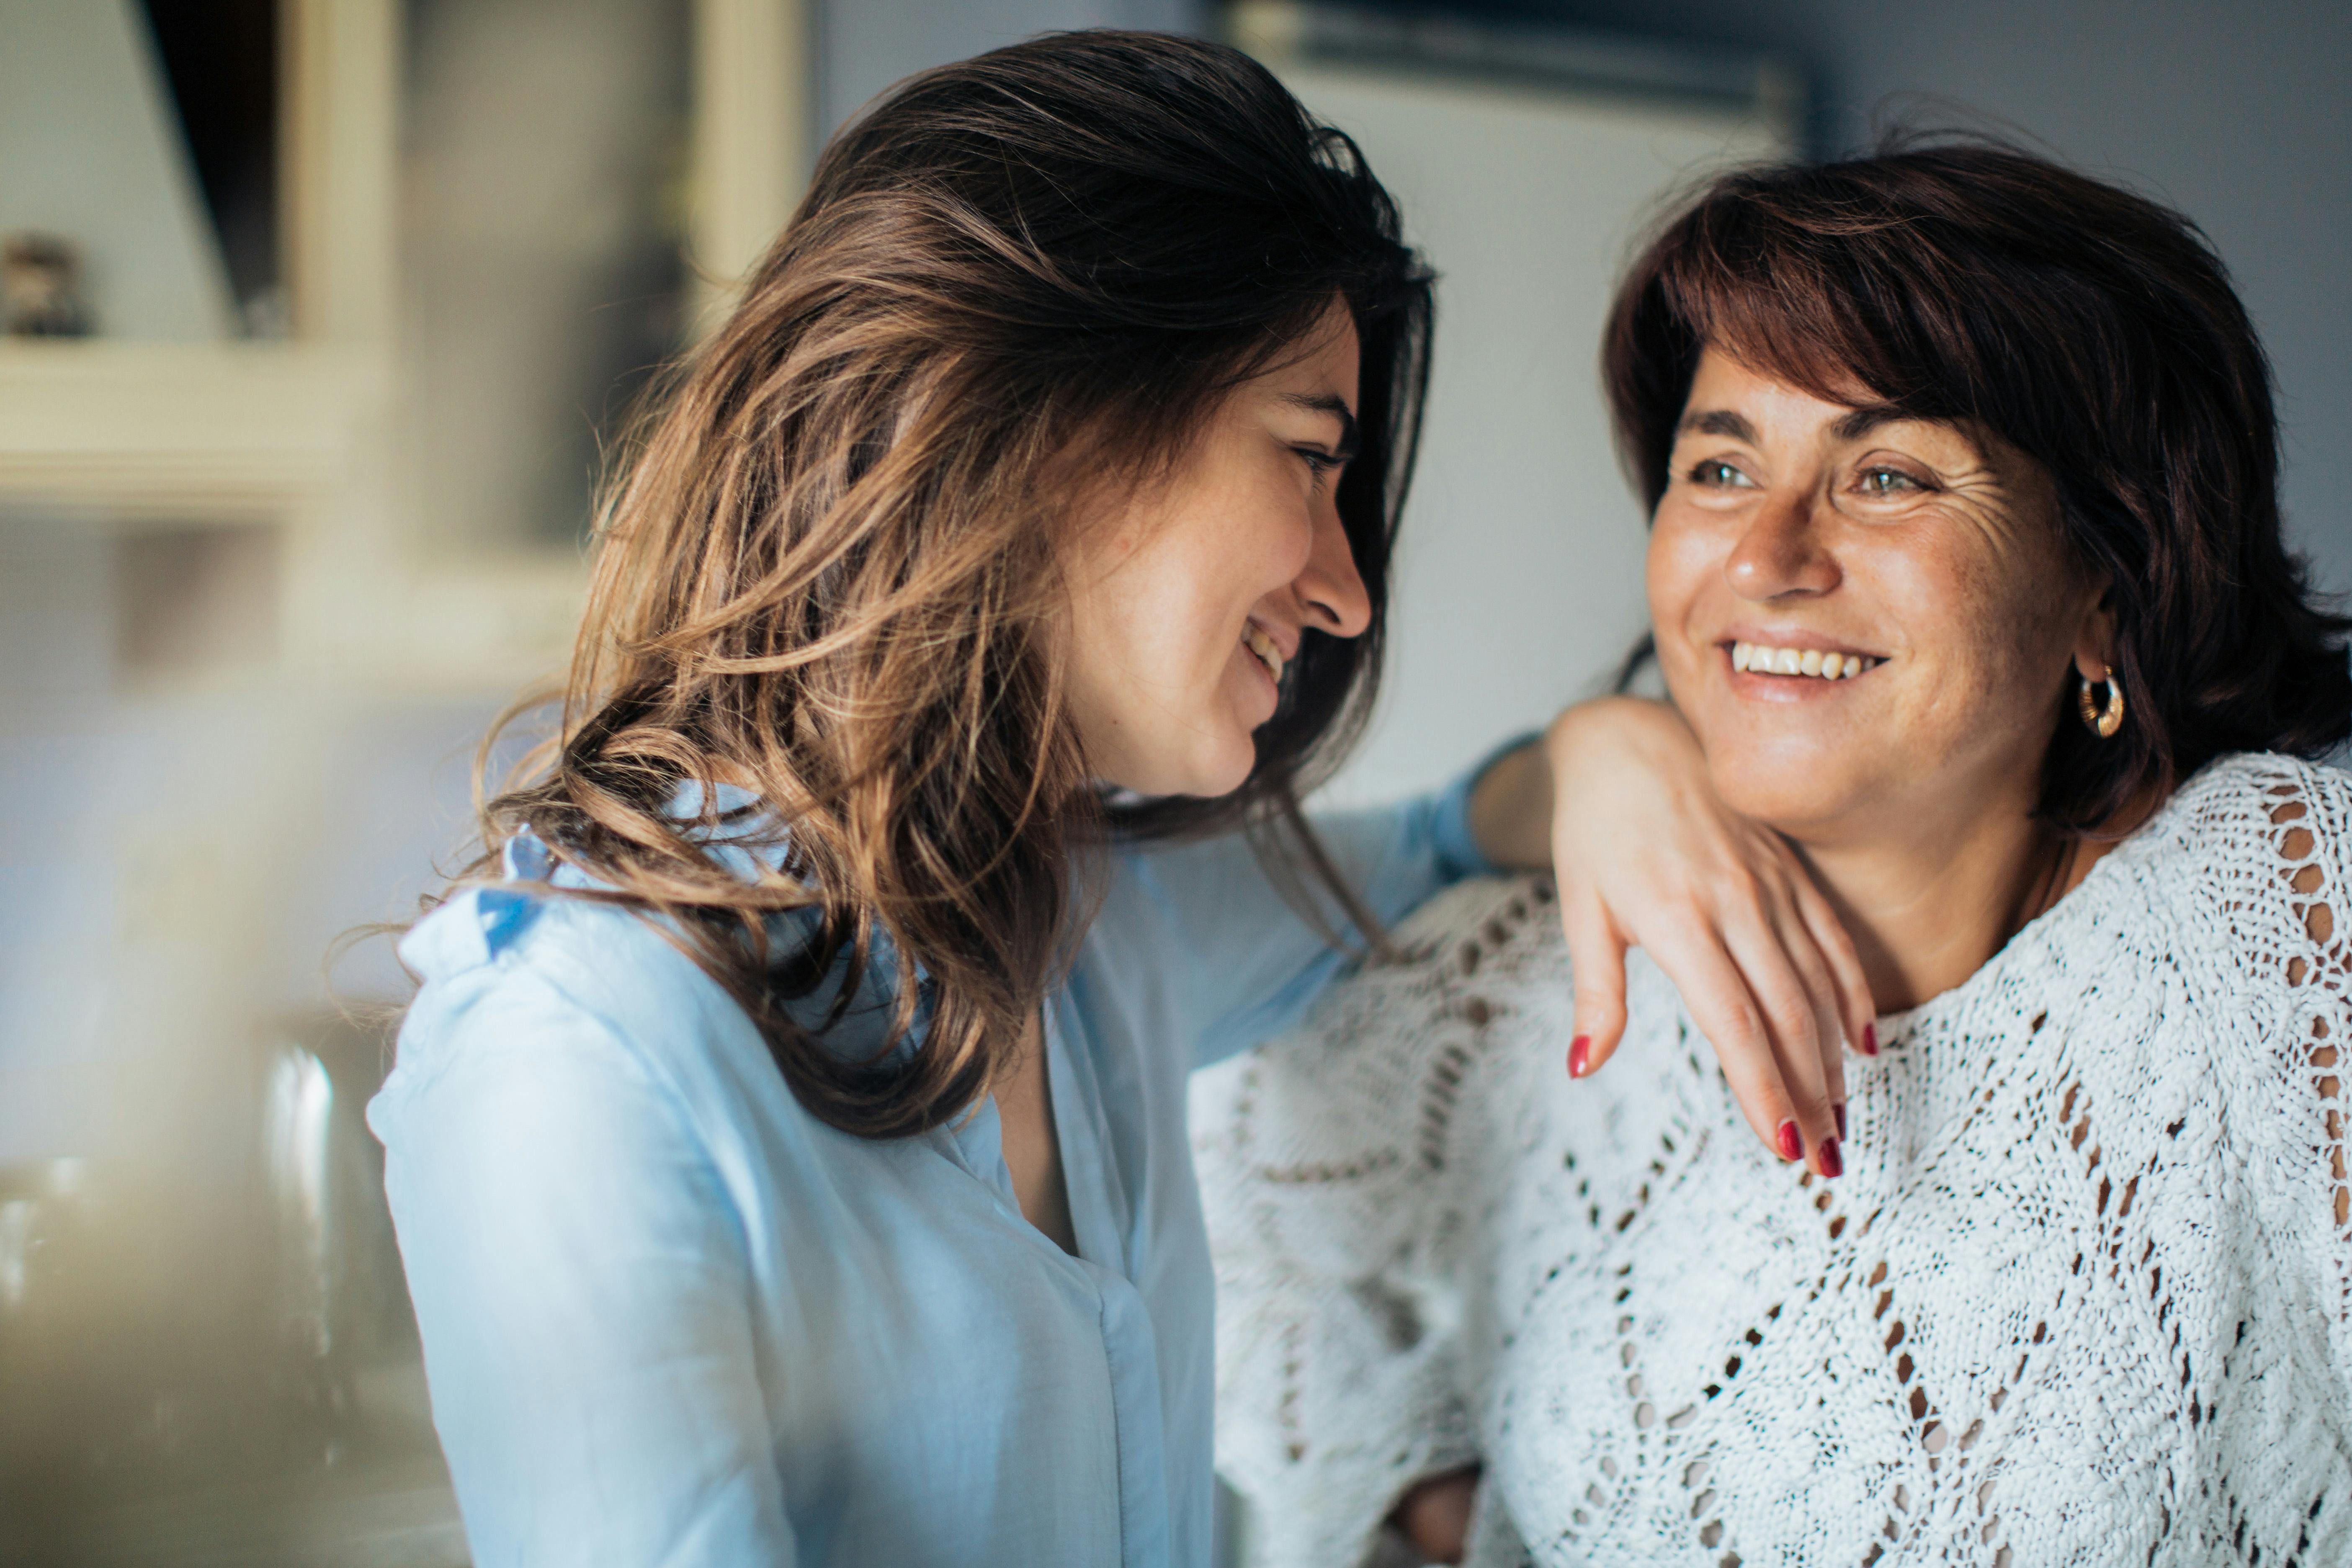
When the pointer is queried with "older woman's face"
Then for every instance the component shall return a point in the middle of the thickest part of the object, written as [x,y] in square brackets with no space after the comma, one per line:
[1898,594]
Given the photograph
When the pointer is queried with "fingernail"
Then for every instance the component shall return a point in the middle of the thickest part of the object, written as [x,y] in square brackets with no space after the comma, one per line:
[1840,1109]
[1577,1049]
[1793,1146]
[1830,1164]
[1870,1040]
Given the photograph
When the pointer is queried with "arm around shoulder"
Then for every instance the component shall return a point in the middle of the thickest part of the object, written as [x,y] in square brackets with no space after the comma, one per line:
[1248,959]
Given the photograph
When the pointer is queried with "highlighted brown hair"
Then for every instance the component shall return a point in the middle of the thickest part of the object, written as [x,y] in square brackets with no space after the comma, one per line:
[828,567]
[2090,328]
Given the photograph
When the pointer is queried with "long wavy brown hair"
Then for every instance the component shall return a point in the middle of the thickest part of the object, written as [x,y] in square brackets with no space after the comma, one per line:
[828,563]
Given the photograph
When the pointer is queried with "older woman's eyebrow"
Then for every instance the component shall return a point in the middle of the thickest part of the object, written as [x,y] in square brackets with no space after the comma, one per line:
[1717,421]
[1332,403]
[1860,422]
[1853,425]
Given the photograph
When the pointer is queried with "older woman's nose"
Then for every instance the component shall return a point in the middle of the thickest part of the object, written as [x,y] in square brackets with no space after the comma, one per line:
[1783,553]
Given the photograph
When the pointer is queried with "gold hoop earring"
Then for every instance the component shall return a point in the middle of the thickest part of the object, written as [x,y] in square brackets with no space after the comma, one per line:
[2102,723]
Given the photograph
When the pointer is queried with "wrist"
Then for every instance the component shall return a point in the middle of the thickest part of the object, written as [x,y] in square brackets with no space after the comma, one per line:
[1603,722]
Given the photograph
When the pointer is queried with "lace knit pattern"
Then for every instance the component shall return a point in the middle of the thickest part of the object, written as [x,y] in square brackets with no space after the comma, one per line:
[2081,1296]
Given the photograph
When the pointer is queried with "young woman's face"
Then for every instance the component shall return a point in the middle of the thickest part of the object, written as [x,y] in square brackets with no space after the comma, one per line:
[1925,564]
[1190,599]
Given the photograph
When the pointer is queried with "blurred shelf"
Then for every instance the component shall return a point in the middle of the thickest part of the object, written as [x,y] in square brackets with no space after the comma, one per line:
[180,428]
[309,437]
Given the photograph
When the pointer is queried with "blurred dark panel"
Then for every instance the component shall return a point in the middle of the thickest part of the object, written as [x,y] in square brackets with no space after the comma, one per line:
[221,58]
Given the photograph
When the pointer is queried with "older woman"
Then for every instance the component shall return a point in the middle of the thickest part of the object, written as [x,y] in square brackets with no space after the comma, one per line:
[1966,576]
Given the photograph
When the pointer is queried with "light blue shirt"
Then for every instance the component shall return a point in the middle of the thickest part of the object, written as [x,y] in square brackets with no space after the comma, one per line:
[671,1317]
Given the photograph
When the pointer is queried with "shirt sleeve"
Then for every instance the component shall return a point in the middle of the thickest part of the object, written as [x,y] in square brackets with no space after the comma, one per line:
[581,1285]
[1246,961]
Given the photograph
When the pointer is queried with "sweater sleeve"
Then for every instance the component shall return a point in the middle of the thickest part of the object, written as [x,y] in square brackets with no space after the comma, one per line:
[2288,909]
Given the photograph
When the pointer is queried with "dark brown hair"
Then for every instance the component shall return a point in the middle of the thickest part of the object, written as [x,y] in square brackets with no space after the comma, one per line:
[1973,284]
[828,565]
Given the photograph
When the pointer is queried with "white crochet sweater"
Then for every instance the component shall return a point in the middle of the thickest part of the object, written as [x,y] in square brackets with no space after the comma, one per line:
[2080,1298]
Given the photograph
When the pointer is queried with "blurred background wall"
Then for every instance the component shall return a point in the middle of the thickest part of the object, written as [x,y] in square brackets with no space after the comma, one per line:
[298,429]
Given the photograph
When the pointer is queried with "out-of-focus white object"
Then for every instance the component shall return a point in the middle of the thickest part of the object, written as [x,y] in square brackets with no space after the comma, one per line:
[297,1117]
[1526,163]
[90,150]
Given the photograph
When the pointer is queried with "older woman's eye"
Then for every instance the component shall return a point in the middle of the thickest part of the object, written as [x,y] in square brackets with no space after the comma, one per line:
[1720,476]
[1887,482]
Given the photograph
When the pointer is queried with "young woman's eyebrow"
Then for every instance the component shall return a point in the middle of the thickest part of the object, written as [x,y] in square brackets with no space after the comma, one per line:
[1331,403]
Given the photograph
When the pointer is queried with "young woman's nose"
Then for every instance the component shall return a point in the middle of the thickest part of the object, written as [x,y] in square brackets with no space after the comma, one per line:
[1781,551]
[1331,595]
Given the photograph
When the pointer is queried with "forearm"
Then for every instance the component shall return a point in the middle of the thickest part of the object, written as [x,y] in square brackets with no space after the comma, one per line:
[1250,959]
[1511,805]
[1510,809]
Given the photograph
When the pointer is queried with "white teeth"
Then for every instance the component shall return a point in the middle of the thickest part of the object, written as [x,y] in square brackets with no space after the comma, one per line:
[1268,652]
[1812,661]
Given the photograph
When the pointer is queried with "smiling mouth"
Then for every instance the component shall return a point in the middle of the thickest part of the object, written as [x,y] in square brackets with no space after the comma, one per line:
[1265,649]
[1822,664]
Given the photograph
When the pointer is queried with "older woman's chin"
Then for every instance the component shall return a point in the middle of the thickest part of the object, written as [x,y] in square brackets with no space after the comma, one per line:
[1791,813]
[1791,788]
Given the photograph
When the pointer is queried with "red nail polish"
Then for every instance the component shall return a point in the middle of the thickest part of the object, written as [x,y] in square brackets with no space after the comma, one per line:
[1840,1109]
[1793,1146]
[1830,1164]
[1577,1049]
[1870,1040]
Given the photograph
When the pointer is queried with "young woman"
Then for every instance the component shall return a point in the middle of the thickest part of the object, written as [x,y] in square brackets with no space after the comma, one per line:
[787,1143]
